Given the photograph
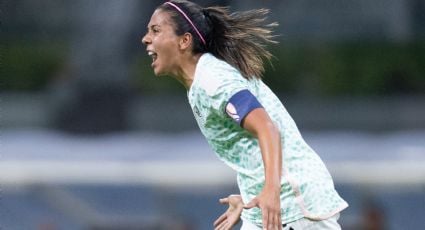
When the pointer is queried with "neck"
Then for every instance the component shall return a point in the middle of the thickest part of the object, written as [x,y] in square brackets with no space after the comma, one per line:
[186,72]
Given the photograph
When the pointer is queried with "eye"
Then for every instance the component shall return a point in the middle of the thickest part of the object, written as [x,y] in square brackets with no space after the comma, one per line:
[155,29]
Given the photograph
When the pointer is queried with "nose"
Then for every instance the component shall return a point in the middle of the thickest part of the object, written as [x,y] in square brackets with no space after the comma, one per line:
[146,39]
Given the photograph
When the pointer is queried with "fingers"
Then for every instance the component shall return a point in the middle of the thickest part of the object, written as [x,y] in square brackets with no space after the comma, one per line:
[220,220]
[271,217]
[279,221]
[225,225]
[272,224]
[224,200]
[266,220]
[271,220]
[276,223]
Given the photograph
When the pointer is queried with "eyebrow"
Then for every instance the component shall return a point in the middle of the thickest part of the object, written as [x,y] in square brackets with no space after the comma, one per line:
[152,26]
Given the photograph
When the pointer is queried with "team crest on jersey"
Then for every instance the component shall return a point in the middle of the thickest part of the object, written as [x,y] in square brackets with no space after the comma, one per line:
[231,111]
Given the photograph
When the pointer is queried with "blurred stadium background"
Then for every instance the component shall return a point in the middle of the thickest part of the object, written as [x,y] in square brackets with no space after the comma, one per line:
[90,139]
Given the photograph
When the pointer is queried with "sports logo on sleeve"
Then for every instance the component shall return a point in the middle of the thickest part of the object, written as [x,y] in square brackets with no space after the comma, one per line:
[231,111]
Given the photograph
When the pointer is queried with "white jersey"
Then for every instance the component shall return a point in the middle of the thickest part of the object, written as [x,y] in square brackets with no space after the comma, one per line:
[307,189]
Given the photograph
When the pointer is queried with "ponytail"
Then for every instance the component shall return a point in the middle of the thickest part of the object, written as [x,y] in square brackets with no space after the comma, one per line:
[239,38]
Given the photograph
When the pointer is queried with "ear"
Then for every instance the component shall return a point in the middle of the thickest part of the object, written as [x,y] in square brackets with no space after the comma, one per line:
[185,41]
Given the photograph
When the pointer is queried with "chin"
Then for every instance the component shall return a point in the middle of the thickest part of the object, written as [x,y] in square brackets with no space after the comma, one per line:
[159,73]
[156,71]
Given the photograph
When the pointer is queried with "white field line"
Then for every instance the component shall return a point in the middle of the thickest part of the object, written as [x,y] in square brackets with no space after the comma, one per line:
[180,174]
[152,173]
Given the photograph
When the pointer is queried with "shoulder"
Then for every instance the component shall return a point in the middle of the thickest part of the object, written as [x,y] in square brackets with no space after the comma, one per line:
[212,74]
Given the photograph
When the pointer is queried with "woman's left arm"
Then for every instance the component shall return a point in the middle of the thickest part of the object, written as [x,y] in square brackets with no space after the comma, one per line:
[259,124]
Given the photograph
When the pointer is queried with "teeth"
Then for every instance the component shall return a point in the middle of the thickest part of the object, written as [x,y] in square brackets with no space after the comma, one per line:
[152,54]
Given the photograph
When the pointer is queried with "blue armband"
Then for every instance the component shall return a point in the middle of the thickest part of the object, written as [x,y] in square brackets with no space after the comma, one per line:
[241,104]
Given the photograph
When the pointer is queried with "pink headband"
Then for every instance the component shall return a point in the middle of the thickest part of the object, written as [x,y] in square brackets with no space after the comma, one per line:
[188,19]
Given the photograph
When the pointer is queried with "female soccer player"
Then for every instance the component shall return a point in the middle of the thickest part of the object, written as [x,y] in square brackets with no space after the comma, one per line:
[218,57]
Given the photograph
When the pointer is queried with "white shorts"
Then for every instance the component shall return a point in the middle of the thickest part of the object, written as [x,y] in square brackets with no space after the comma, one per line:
[302,224]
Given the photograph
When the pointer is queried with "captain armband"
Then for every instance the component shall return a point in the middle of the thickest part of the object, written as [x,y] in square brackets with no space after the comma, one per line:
[240,104]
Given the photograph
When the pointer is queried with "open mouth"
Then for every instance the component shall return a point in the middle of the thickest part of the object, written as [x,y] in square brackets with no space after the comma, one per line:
[153,55]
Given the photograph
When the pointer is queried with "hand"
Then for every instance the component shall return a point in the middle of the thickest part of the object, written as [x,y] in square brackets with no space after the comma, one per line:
[231,217]
[269,203]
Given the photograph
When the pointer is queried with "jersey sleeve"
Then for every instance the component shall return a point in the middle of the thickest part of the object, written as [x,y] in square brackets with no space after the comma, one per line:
[228,94]
[241,104]
[220,84]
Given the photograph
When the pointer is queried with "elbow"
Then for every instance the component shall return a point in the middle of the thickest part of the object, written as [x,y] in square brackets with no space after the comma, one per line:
[275,130]
[272,129]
